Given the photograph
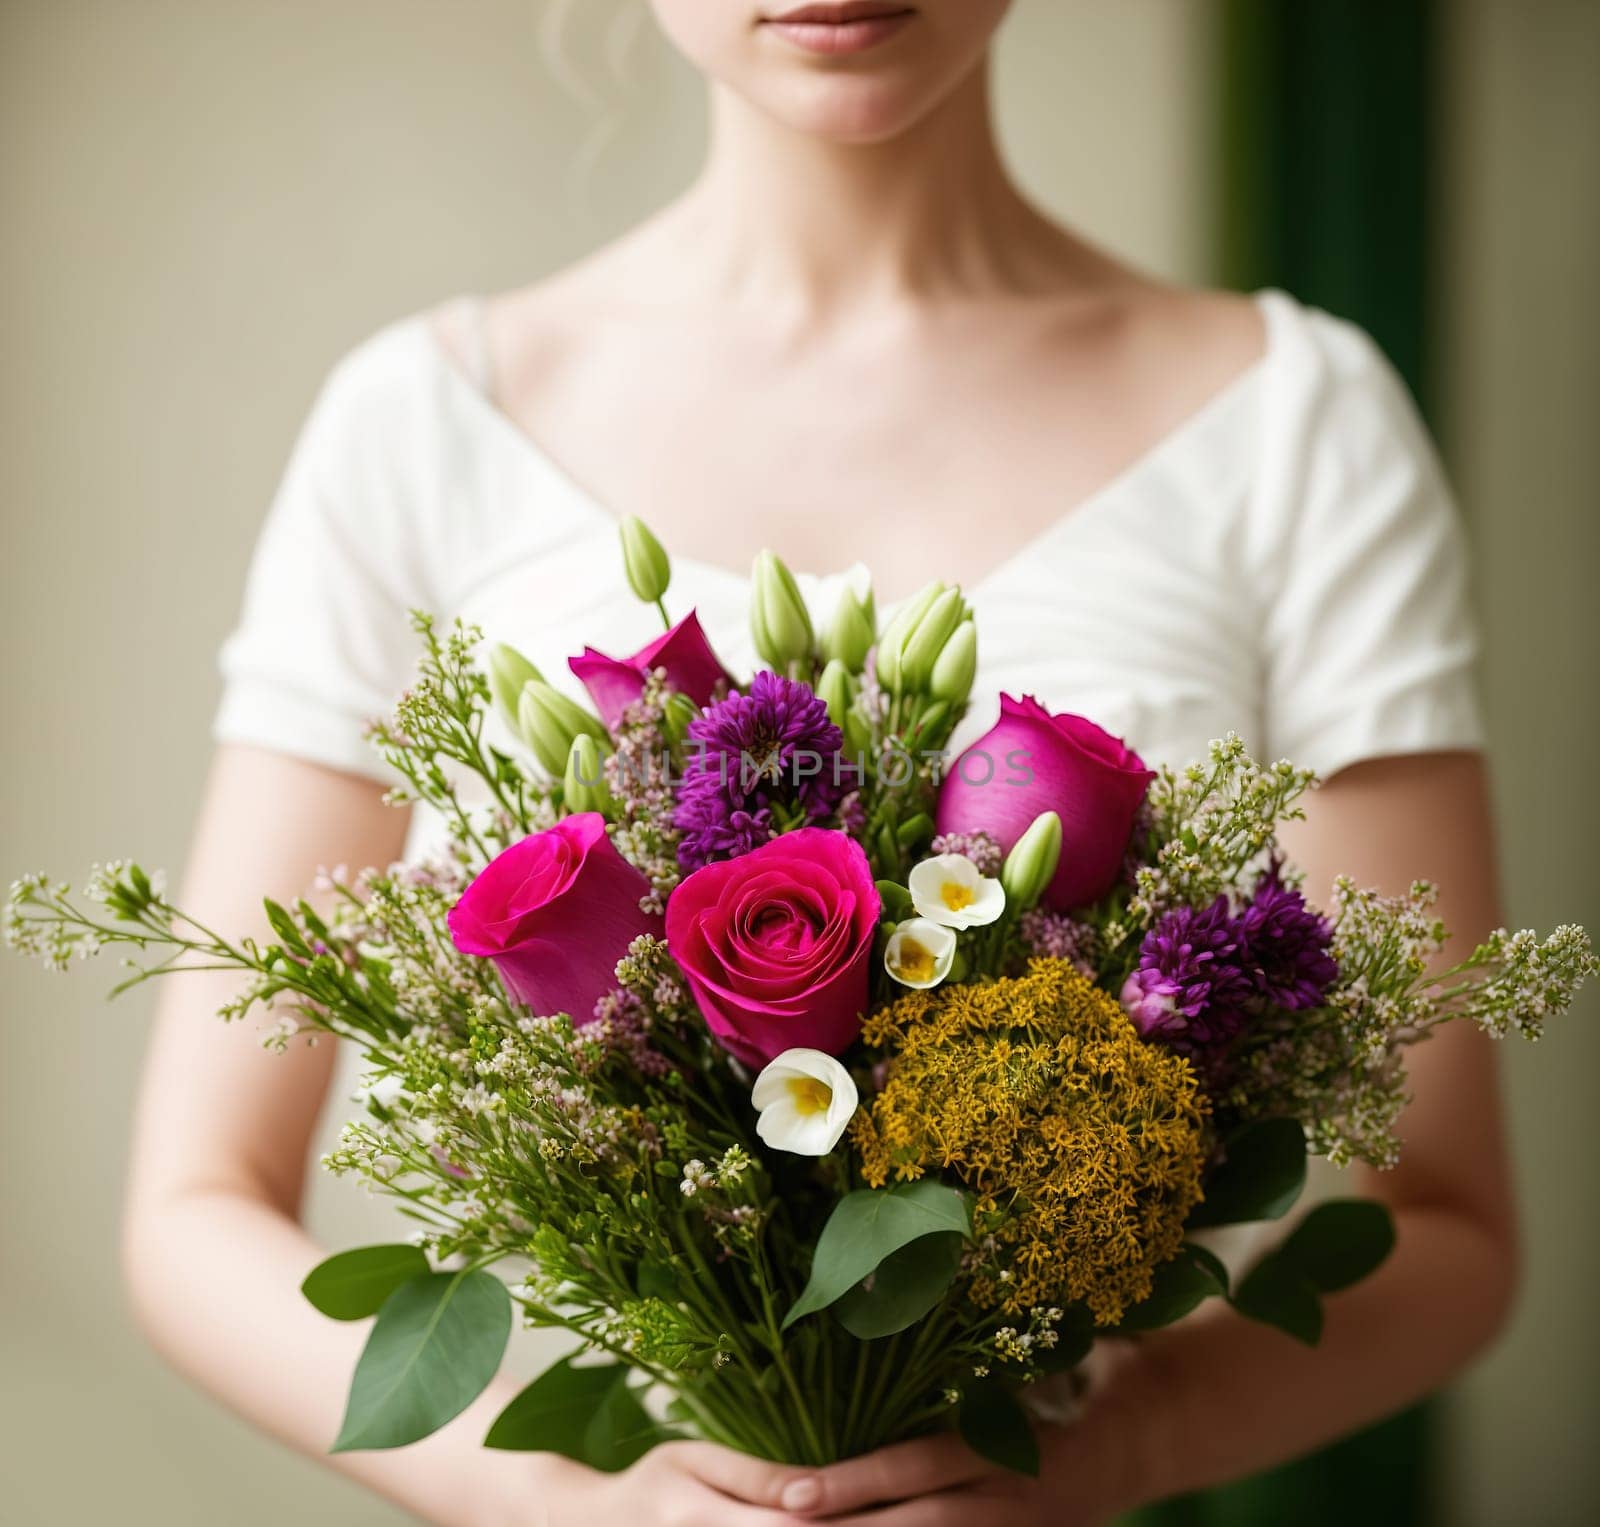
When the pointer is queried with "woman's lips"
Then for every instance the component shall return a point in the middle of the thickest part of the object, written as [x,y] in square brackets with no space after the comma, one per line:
[839,29]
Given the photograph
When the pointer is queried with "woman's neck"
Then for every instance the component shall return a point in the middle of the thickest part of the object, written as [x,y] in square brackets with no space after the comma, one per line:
[780,216]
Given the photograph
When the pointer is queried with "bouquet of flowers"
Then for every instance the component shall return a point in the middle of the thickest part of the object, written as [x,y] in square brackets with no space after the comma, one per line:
[826,1090]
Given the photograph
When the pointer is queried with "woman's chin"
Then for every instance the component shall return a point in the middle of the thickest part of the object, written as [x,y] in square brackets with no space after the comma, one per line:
[859,110]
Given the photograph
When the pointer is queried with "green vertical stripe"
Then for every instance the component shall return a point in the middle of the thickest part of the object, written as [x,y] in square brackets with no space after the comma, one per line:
[1326,160]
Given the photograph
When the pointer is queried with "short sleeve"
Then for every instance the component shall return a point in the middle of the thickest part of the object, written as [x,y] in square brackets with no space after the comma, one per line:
[324,642]
[1369,645]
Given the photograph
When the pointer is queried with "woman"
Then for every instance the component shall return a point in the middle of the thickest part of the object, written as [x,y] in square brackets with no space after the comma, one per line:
[1176,511]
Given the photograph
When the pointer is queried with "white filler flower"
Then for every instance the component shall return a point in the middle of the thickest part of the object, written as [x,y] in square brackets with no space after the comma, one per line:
[806,1099]
[920,953]
[949,890]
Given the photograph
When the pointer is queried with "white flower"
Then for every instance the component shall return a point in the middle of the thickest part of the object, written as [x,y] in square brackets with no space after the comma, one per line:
[806,1099]
[949,890]
[920,953]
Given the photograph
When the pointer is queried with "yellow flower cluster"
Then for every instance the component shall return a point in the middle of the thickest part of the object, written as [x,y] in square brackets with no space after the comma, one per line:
[1082,1143]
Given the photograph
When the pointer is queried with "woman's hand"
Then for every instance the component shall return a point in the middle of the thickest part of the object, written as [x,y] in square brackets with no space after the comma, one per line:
[690,1484]
[931,1482]
[940,1482]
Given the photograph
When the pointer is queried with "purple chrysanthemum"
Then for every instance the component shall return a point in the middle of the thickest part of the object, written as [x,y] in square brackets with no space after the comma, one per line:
[1288,944]
[1193,979]
[758,763]
[1201,974]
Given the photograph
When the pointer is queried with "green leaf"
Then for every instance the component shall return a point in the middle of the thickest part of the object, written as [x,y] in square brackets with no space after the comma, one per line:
[586,1414]
[904,1288]
[1262,1173]
[283,925]
[994,1425]
[1340,1243]
[1275,1294]
[309,919]
[1179,1287]
[354,1284]
[437,1343]
[1210,1261]
[869,1226]
[1337,1244]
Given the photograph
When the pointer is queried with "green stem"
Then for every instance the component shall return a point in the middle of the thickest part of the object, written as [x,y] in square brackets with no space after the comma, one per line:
[785,1372]
[725,1315]
[852,1413]
[880,1383]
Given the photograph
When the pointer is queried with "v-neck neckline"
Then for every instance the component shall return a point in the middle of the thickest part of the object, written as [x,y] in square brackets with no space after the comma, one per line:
[1115,486]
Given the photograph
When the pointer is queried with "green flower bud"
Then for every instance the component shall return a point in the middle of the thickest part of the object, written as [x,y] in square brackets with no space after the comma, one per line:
[677,711]
[896,633]
[779,620]
[583,786]
[957,665]
[508,673]
[928,725]
[649,569]
[548,721]
[914,830]
[1031,865]
[888,845]
[857,736]
[836,691]
[850,635]
[895,900]
[925,641]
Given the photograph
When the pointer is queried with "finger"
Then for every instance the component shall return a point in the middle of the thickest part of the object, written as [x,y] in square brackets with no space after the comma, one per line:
[692,1504]
[752,1480]
[949,1508]
[898,1473]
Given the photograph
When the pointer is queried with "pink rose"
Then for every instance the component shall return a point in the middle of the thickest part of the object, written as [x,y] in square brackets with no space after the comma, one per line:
[555,912]
[776,944]
[615,683]
[1031,761]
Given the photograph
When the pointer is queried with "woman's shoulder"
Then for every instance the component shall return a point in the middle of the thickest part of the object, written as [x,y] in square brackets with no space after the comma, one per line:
[1203,340]
[387,376]
[515,345]
[1338,423]
[1315,351]
[1257,399]
[1322,410]
[375,423]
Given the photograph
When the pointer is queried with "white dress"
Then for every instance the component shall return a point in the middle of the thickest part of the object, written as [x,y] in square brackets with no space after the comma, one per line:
[1286,564]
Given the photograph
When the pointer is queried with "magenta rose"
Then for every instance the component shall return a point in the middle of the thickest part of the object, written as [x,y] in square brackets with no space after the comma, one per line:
[555,912]
[776,944]
[615,683]
[1031,761]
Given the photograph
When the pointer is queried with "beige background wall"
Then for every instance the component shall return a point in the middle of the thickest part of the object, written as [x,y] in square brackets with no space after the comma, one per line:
[203,202]
[1519,314]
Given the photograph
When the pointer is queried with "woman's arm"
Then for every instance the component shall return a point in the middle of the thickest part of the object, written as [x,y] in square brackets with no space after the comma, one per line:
[1239,1396]
[1220,1397]
[213,1249]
